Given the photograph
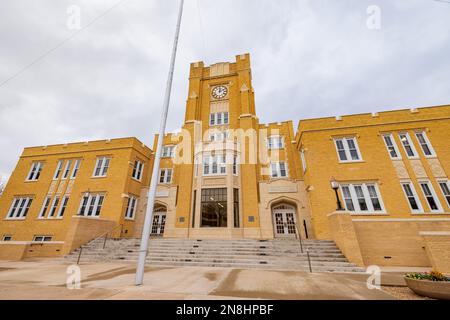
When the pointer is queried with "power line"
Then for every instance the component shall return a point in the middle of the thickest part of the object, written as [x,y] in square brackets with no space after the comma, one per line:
[59,45]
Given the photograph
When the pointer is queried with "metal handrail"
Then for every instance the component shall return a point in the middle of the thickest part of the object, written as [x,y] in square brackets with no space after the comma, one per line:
[105,235]
[299,237]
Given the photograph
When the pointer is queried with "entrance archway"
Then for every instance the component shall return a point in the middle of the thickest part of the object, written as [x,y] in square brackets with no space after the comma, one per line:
[159,221]
[284,221]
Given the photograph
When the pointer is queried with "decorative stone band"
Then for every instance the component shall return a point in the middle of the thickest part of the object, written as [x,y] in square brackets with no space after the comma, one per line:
[435,233]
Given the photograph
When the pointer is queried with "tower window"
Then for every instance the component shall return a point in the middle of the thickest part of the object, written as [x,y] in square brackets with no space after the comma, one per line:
[219,119]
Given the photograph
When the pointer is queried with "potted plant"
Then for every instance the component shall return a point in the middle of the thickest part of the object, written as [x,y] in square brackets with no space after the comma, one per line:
[433,285]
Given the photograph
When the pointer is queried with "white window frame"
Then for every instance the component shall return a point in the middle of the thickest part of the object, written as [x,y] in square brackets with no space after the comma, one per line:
[22,207]
[303,160]
[75,169]
[35,171]
[235,165]
[42,239]
[277,171]
[6,236]
[370,208]
[446,196]
[102,166]
[62,207]
[433,194]
[138,169]
[394,146]
[66,170]
[55,203]
[219,119]
[346,146]
[45,205]
[58,170]
[95,205]
[130,211]
[275,142]
[218,161]
[410,144]
[168,176]
[427,143]
[168,152]
[415,195]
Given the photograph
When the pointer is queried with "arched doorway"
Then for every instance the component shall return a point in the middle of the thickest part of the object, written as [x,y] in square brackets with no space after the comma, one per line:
[284,221]
[159,220]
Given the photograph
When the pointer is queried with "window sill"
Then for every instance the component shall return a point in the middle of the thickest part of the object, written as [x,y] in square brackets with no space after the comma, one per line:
[429,213]
[14,219]
[99,177]
[413,158]
[129,219]
[431,157]
[350,162]
[136,180]
[31,181]
[369,214]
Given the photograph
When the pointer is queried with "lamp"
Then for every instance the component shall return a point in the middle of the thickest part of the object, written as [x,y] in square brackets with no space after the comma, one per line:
[335,187]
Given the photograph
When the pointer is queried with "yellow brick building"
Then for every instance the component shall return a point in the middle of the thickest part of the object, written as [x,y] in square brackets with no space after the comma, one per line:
[65,195]
[225,175]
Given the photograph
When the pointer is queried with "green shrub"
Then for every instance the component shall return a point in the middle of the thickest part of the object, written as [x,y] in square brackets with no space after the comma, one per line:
[432,276]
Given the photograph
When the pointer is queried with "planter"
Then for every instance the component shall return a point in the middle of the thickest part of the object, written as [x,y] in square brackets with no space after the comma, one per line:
[431,289]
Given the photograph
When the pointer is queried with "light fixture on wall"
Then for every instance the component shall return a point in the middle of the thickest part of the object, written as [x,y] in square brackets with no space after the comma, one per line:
[335,187]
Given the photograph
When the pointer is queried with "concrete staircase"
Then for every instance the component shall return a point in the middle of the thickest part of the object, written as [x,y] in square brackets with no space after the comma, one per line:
[267,254]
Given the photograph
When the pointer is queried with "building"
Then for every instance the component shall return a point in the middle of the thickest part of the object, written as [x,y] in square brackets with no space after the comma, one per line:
[65,195]
[225,175]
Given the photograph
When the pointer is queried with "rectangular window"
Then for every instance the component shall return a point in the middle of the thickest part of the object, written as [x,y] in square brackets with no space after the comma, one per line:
[391,146]
[19,208]
[101,167]
[214,208]
[42,238]
[430,195]
[445,188]
[278,170]
[235,165]
[67,170]
[35,171]
[275,142]
[303,158]
[362,198]
[63,206]
[408,145]
[214,165]
[137,170]
[131,208]
[91,205]
[7,238]
[165,176]
[75,170]
[45,206]
[219,119]
[55,203]
[236,208]
[58,170]
[425,144]
[411,195]
[168,152]
[347,149]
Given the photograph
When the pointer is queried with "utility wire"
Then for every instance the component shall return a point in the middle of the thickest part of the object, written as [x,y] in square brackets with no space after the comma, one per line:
[59,45]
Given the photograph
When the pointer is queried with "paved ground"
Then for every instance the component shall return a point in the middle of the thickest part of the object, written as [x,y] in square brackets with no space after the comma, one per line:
[46,279]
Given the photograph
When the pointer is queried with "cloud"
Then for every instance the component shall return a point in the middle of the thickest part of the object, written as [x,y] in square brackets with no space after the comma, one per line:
[309,58]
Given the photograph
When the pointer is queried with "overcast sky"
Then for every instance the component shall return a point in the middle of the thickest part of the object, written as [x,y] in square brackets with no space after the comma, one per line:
[310,58]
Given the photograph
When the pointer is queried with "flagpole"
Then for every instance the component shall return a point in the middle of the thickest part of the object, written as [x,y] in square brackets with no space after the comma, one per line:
[154,182]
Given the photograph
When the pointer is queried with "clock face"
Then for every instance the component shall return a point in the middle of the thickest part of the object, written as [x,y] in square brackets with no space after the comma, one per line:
[219,92]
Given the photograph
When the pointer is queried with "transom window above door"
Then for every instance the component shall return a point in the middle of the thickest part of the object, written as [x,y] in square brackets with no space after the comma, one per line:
[347,149]
[362,198]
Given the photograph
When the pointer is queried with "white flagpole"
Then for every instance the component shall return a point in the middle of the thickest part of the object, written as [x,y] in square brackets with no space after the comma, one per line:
[154,183]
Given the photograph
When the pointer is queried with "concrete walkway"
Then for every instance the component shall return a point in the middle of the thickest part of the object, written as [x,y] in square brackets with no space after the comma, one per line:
[46,279]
